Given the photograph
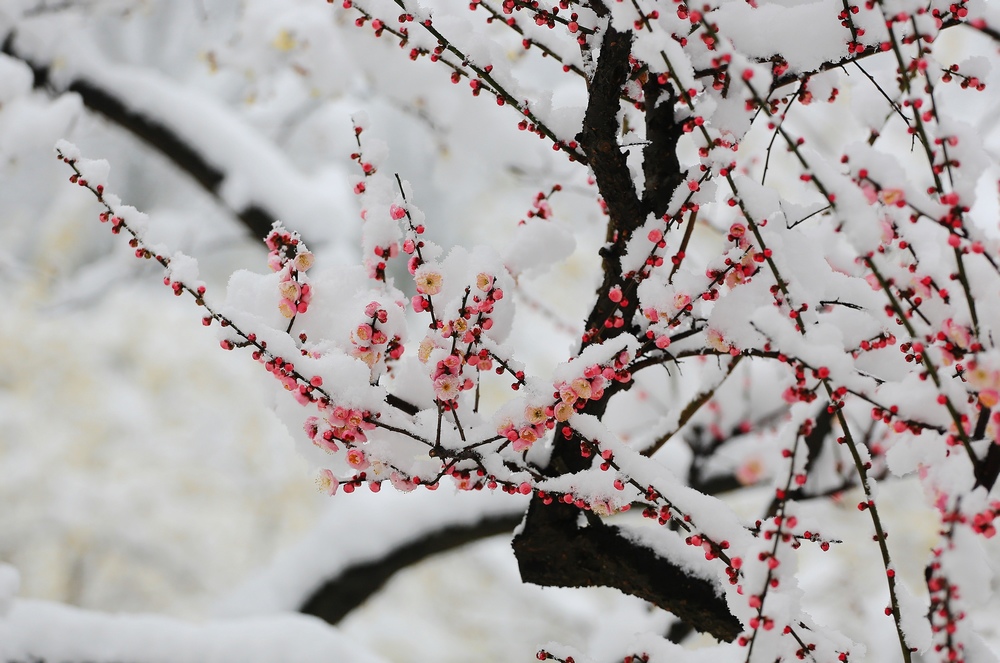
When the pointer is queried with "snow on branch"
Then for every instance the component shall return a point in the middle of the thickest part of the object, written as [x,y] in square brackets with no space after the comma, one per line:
[328,574]
[227,157]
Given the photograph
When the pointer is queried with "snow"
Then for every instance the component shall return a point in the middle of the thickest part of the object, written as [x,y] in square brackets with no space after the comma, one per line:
[184,268]
[50,631]
[913,619]
[817,36]
[536,246]
[388,520]
[10,581]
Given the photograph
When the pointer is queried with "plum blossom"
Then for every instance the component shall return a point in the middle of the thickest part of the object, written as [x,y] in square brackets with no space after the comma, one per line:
[357,459]
[428,281]
[327,482]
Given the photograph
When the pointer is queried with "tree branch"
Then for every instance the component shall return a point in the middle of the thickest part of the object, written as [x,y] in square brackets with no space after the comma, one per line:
[659,158]
[553,551]
[599,141]
[256,218]
[339,595]
[599,138]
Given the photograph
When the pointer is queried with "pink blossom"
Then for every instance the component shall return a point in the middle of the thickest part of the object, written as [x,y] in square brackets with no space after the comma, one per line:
[339,416]
[401,484]
[582,388]
[526,437]
[356,458]
[367,355]
[750,471]
[446,387]
[427,346]
[327,482]
[363,333]
[535,414]
[452,362]
[287,308]
[715,341]
[428,281]
[289,290]
[303,261]
[326,443]
[893,197]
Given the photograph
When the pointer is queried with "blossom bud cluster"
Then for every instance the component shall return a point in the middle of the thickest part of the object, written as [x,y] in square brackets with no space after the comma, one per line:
[984,377]
[288,256]
[541,208]
[746,266]
[467,327]
[448,380]
[537,419]
[982,522]
[376,265]
[344,424]
[662,321]
[463,327]
[590,386]
[569,396]
[601,506]
[371,344]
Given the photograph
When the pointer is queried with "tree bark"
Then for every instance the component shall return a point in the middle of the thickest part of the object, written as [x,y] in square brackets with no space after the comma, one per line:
[552,548]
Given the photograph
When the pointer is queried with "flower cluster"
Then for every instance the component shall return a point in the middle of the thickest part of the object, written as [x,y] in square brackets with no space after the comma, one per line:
[463,327]
[541,208]
[590,386]
[376,266]
[714,339]
[448,380]
[742,269]
[537,419]
[471,320]
[949,600]
[982,522]
[288,256]
[851,208]
[576,394]
[663,320]
[569,396]
[348,425]
[285,373]
[985,378]
[602,506]
[955,341]
[371,344]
